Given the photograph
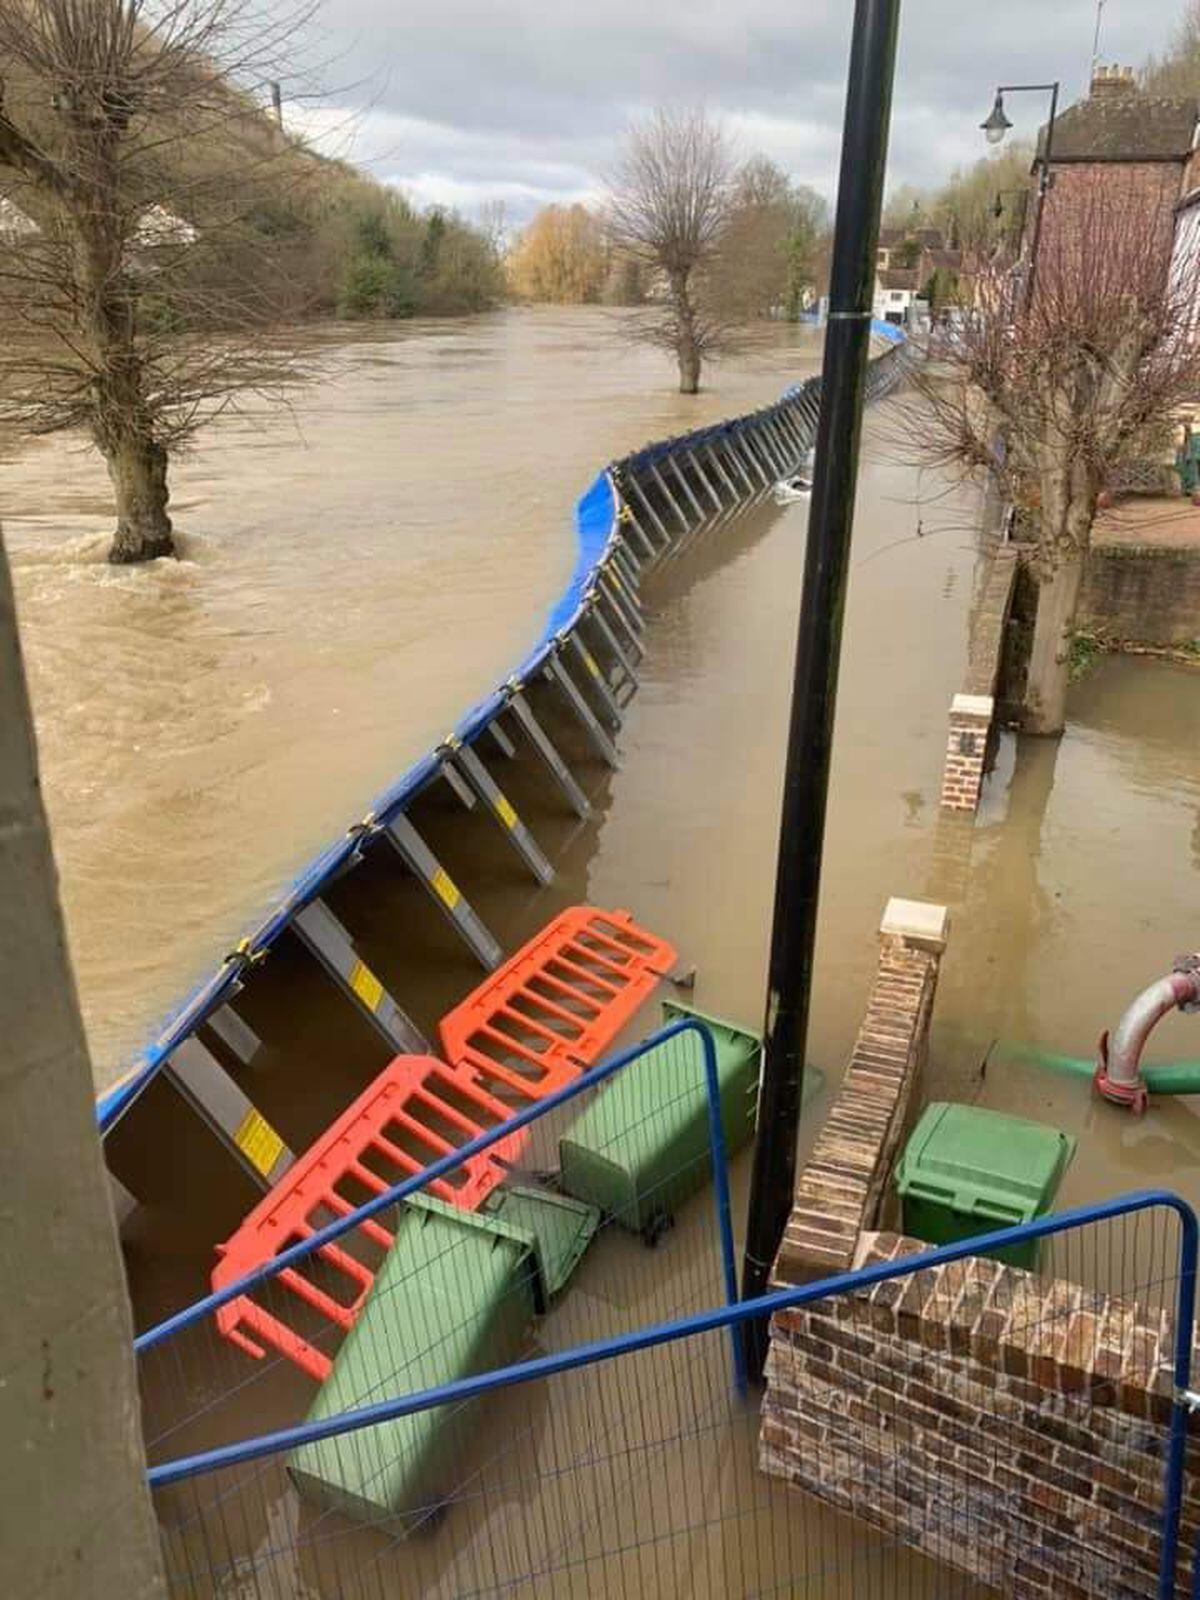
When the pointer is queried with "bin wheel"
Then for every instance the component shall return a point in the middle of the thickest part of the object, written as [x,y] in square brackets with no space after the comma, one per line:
[659,1223]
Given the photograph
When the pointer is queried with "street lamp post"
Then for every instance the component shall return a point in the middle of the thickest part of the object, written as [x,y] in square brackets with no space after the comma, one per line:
[995,125]
[818,645]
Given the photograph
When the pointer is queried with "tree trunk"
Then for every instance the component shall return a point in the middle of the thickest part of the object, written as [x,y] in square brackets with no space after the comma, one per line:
[689,365]
[687,346]
[1050,657]
[138,469]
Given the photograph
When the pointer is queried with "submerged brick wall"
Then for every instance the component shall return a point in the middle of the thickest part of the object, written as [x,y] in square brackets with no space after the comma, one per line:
[1010,1426]
[842,1188]
[972,710]
[1151,595]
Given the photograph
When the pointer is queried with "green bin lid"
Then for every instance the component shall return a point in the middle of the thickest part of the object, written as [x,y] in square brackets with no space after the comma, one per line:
[983,1163]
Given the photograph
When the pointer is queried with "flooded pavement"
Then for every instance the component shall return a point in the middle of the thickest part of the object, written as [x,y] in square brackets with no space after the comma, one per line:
[1084,885]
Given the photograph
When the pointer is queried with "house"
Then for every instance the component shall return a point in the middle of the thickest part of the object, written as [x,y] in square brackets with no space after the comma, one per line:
[896,291]
[1138,148]
[907,262]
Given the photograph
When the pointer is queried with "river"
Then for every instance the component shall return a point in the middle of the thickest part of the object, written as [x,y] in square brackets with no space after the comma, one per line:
[356,573]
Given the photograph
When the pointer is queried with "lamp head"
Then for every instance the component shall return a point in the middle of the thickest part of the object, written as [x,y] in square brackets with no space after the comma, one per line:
[996,124]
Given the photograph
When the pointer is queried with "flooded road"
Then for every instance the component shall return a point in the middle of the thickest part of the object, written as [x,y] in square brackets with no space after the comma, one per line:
[356,575]
[277,679]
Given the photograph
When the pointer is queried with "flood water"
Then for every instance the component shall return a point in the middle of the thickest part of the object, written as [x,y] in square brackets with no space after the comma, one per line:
[352,586]
[356,574]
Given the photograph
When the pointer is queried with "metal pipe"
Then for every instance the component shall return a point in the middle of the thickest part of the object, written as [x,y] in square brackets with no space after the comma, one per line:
[818,647]
[1118,1070]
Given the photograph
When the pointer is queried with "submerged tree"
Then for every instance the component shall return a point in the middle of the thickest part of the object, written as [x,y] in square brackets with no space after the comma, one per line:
[669,202]
[134,289]
[1052,393]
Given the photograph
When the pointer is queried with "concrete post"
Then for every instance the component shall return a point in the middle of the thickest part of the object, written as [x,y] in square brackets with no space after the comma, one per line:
[75,1516]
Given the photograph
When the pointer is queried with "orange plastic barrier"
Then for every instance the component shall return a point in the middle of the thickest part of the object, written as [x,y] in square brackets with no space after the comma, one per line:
[554,1007]
[414,1112]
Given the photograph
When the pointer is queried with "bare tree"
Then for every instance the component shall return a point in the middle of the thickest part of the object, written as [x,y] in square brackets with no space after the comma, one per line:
[1051,395]
[133,291]
[669,200]
[766,261]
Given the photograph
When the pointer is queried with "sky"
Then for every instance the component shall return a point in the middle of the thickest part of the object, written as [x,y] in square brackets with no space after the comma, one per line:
[464,103]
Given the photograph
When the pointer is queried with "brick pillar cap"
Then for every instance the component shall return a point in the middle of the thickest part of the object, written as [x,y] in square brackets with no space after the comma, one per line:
[918,923]
[972,705]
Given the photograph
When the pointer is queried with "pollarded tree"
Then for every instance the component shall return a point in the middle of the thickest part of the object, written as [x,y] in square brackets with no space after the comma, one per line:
[1052,392]
[134,289]
[669,202]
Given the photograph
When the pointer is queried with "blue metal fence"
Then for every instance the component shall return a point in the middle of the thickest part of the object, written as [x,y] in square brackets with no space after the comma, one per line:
[627,1464]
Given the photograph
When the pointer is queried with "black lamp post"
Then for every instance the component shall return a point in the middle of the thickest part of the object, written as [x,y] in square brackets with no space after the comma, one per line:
[995,125]
[818,645]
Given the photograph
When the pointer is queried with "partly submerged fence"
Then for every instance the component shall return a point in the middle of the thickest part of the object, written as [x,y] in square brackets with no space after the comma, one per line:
[458,1290]
[639,512]
[630,1462]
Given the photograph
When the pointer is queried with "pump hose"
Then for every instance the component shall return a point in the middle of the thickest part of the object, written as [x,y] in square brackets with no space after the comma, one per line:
[1168,1077]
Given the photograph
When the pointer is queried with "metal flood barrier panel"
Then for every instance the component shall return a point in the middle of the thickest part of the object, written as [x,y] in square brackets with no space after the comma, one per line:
[638,513]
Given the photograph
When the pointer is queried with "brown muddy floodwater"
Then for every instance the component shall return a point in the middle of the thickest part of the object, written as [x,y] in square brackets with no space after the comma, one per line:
[352,583]
[356,575]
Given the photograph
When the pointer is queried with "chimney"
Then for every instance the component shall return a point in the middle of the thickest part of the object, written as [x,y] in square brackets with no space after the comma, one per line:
[277,103]
[1111,82]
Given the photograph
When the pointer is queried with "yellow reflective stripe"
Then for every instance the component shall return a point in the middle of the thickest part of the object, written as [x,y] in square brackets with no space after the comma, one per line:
[505,812]
[366,986]
[444,886]
[258,1142]
[589,661]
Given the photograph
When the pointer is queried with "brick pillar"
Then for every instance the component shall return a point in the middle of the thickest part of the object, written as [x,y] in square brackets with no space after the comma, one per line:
[844,1184]
[970,722]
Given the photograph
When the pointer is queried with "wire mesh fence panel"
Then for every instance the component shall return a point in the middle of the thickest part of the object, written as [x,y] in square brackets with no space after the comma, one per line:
[631,1478]
[976,1426]
[424,1291]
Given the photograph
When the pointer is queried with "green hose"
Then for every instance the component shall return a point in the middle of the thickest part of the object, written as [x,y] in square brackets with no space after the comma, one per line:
[1168,1077]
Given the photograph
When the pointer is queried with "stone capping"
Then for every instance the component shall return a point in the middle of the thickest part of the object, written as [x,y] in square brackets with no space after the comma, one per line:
[842,1188]
[972,710]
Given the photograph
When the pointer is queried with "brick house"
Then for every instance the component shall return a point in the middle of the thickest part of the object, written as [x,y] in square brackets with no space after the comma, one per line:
[1138,148]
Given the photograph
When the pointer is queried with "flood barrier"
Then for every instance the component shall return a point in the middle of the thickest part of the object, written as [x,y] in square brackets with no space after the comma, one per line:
[640,512]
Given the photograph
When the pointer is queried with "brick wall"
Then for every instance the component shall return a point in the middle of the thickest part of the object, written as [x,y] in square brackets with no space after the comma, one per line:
[1088,197]
[1010,1426]
[843,1188]
[1146,594]
[972,711]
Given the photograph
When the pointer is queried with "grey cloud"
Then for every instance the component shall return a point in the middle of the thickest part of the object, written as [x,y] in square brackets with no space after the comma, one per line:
[526,100]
